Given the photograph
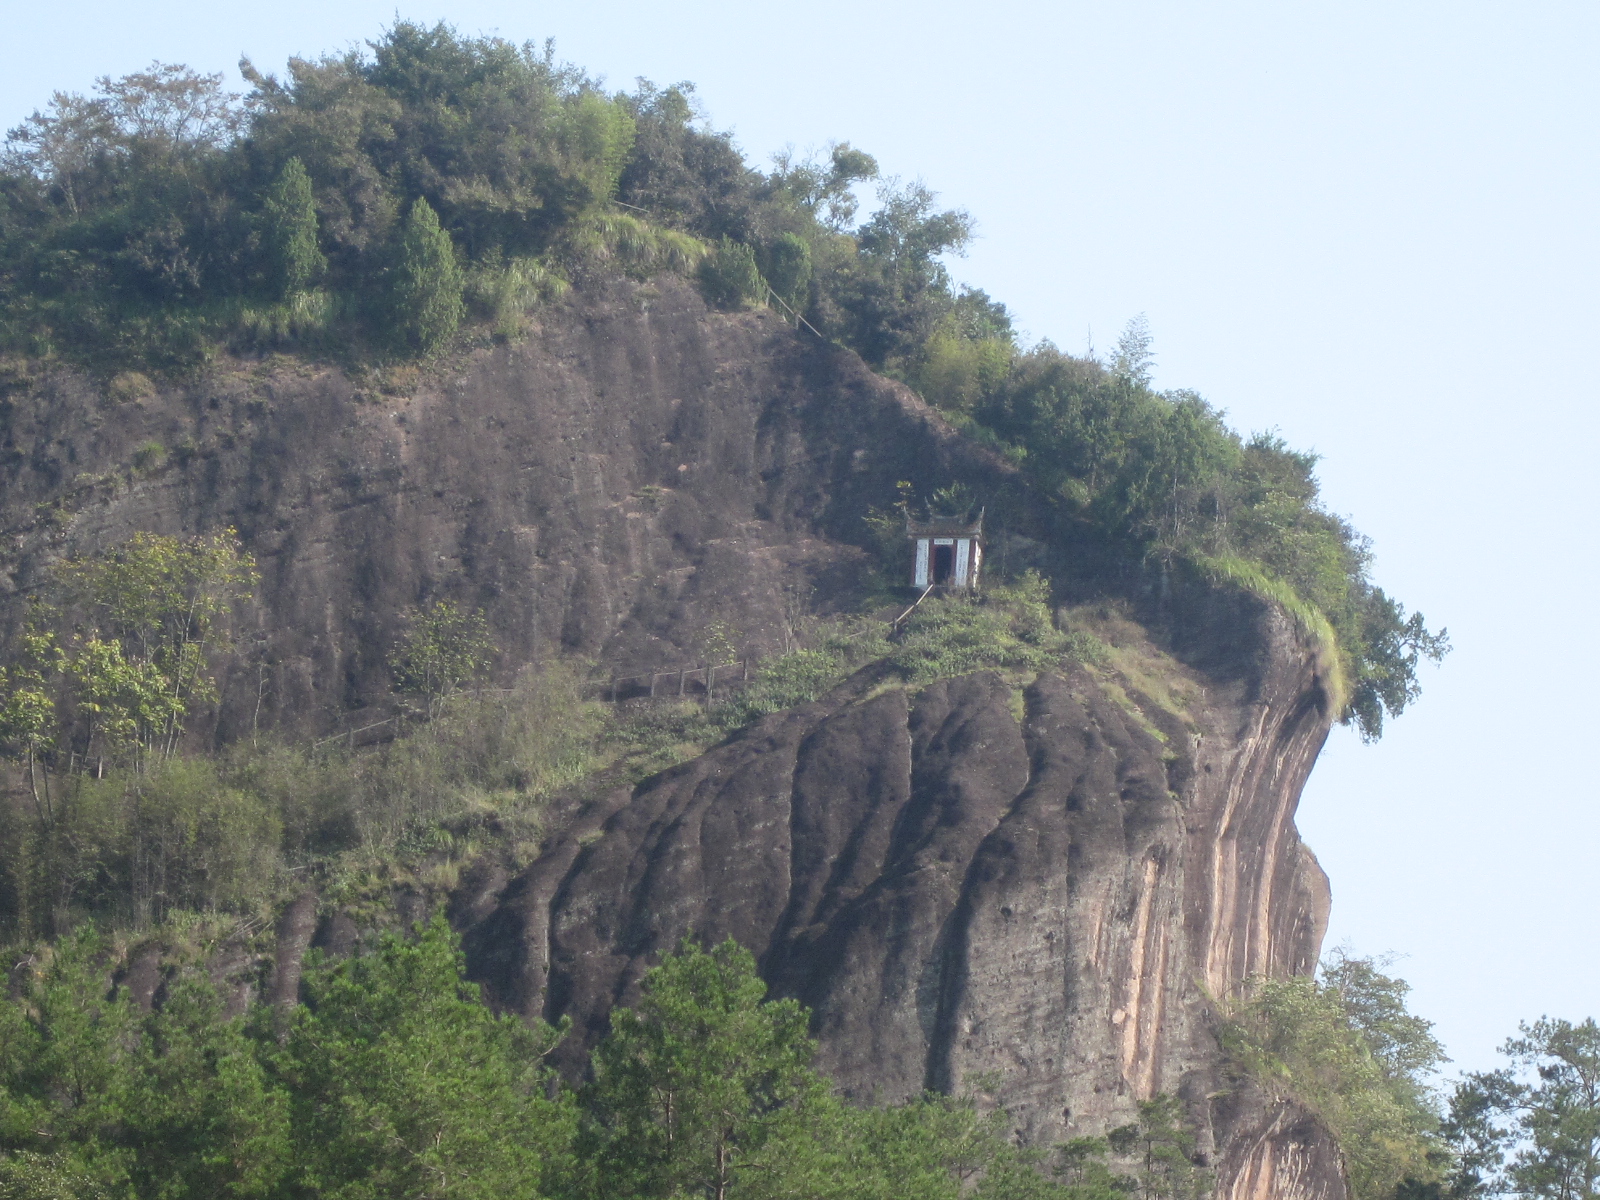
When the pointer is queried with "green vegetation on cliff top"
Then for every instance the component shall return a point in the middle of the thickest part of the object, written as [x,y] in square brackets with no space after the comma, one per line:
[375,204]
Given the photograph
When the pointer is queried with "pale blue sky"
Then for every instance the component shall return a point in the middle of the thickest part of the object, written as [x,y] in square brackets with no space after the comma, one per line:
[1370,224]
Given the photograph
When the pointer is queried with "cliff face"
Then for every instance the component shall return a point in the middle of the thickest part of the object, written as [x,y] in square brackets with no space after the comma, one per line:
[634,471]
[1047,880]
[1044,882]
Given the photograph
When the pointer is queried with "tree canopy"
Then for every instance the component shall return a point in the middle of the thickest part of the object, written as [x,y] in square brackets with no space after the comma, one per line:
[392,1079]
[1531,1129]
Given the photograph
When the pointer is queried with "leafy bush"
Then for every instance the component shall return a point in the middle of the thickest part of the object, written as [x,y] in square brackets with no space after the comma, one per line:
[505,294]
[1345,1047]
[218,834]
[150,456]
[837,650]
[492,752]
[786,263]
[729,276]
[635,246]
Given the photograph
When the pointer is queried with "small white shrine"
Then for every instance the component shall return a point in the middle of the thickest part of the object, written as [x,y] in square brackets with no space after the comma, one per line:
[949,551]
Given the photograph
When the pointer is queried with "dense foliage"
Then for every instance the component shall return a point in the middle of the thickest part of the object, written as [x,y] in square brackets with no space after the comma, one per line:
[119,817]
[391,1079]
[1344,1045]
[370,195]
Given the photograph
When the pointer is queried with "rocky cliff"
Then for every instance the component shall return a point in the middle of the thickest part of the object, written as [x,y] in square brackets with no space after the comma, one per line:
[1043,882]
[635,470]
[1040,884]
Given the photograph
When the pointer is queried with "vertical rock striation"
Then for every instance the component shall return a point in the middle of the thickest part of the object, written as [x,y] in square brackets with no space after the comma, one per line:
[1052,901]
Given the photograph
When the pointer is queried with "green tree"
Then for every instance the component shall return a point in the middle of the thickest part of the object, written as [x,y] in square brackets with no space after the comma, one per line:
[294,259]
[28,711]
[1162,1146]
[698,1088]
[112,666]
[29,1175]
[155,610]
[98,1097]
[1134,357]
[825,191]
[729,275]
[1532,1129]
[1345,1047]
[444,647]
[402,1083]
[889,297]
[66,1067]
[201,1117]
[426,283]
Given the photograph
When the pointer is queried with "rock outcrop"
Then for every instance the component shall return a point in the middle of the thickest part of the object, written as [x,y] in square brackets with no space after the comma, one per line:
[1042,881]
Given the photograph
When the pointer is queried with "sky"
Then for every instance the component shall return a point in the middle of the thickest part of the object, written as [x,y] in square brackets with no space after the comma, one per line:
[1369,225]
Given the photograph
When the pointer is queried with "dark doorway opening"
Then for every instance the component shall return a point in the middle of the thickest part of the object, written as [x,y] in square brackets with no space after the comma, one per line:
[944,563]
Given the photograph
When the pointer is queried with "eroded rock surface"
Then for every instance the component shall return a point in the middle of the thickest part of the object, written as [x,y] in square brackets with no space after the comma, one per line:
[1045,880]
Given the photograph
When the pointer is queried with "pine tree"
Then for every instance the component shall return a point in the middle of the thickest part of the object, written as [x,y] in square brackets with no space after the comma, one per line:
[703,1077]
[427,283]
[289,232]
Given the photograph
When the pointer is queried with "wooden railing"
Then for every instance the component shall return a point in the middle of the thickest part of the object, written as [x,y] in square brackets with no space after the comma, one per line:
[895,625]
[680,681]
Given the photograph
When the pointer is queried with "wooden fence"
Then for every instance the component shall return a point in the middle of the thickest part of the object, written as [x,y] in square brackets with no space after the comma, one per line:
[702,681]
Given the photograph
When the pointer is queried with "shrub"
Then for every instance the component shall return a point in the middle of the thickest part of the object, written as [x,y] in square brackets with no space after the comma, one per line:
[787,267]
[490,752]
[506,294]
[729,276]
[838,649]
[151,456]
[1004,628]
[141,844]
